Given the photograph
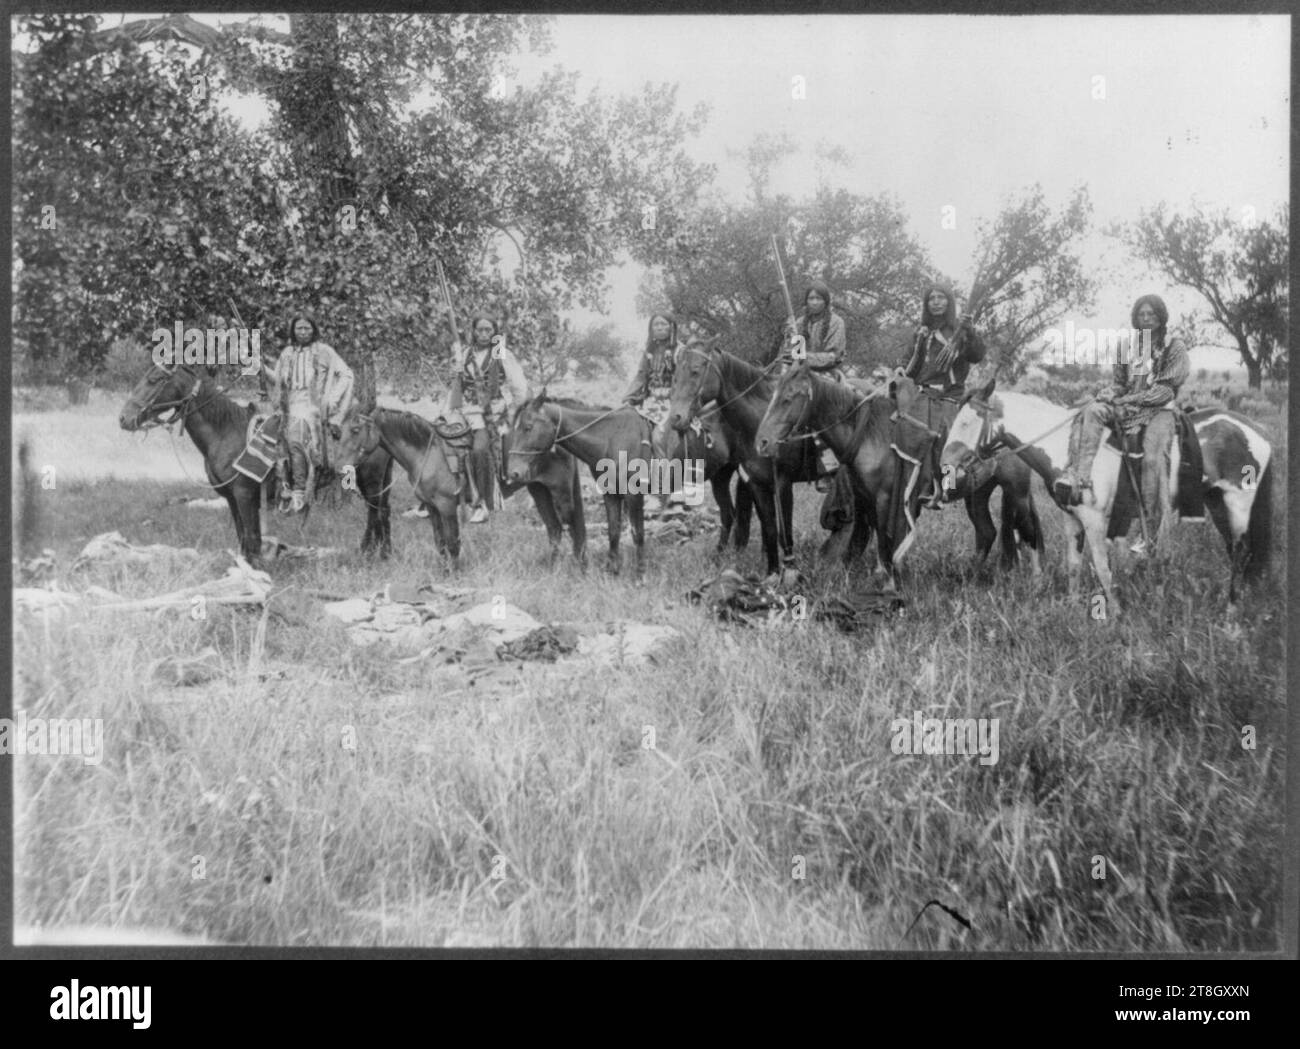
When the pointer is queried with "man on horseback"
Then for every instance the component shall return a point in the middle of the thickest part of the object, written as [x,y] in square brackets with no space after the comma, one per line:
[315,389]
[821,333]
[943,349]
[1142,395]
[488,384]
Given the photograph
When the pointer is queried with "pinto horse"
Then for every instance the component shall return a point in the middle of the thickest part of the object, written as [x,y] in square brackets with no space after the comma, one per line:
[1236,457]
[414,443]
[218,426]
[706,374]
[606,439]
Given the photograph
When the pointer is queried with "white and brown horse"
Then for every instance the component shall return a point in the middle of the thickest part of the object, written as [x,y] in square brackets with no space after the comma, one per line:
[1236,463]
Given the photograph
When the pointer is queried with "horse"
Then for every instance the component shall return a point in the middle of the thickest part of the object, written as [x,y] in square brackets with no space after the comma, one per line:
[414,443]
[608,440]
[864,431]
[218,426]
[1235,453]
[706,374]
[717,445]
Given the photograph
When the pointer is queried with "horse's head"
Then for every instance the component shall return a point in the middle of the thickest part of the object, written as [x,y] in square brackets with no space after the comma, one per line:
[358,437]
[697,380]
[975,433]
[162,388]
[532,433]
[787,411]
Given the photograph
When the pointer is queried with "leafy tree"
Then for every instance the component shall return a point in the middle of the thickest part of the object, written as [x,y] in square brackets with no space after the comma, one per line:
[1028,275]
[717,268]
[359,182]
[1239,269]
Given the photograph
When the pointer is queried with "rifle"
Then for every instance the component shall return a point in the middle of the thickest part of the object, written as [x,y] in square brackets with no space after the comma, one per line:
[785,291]
[446,300]
[264,394]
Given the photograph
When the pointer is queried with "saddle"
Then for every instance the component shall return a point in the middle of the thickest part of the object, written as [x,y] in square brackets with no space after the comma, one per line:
[455,431]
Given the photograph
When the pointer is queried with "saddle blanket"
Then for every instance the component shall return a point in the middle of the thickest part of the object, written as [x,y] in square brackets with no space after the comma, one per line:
[261,449]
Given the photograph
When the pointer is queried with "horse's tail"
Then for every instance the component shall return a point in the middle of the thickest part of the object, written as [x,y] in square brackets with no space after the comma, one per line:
[1259,531]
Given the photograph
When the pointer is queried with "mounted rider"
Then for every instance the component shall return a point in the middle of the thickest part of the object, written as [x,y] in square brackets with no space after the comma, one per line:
[487,385]
[943,349]
[314,388]
[653,383]
[821,334]
[1144,387]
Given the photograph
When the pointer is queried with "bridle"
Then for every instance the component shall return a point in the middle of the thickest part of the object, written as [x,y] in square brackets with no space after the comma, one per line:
[559,424]
[369,419]
[181,408]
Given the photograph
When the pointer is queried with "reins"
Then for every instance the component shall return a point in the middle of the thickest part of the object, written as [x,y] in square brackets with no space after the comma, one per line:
[559,422]
[708,356]
[182,409]
[982,459]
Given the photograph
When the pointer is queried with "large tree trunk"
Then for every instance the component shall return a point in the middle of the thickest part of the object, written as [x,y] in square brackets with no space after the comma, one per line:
[1254,369]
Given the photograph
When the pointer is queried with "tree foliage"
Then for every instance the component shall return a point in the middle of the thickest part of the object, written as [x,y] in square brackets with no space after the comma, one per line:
[717,267]
[393,139]
[1028,275]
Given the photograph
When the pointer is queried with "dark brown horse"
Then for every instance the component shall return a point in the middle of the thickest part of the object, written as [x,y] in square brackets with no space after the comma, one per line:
[218,426]
[863,431]
[613,442]
[707,374]
[414,443]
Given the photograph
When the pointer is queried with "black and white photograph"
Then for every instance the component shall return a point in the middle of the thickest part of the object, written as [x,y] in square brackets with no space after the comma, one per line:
[650,482]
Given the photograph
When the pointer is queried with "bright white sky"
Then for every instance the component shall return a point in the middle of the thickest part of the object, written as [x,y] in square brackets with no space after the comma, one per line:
[965,110]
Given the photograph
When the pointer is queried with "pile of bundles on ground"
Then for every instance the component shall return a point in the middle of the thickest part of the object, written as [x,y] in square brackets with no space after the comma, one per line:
[735,598]
[674,523]
[241,585]
[481,635]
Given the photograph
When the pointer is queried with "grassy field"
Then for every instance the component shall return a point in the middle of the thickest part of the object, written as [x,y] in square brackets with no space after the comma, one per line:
[1123,812]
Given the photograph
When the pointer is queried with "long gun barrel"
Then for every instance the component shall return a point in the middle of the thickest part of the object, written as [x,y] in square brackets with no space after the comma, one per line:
[780,270]
[446,298]
[261,371]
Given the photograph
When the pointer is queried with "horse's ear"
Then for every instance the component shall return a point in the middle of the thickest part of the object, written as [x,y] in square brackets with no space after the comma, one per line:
[987,391]
[539,399]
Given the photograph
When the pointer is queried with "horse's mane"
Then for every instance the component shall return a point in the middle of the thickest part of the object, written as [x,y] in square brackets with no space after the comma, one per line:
[222,410]
[407,425]
[737,371]
[832,401]
[573,402]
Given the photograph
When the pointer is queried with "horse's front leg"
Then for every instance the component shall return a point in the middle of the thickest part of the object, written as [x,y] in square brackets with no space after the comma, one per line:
[253,527]
[636,515]
[744,511]
[765,504]
[550,519]
[446,528]
[721,485]
[977,509]
[614,522]
[1094,530]
[785,507]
